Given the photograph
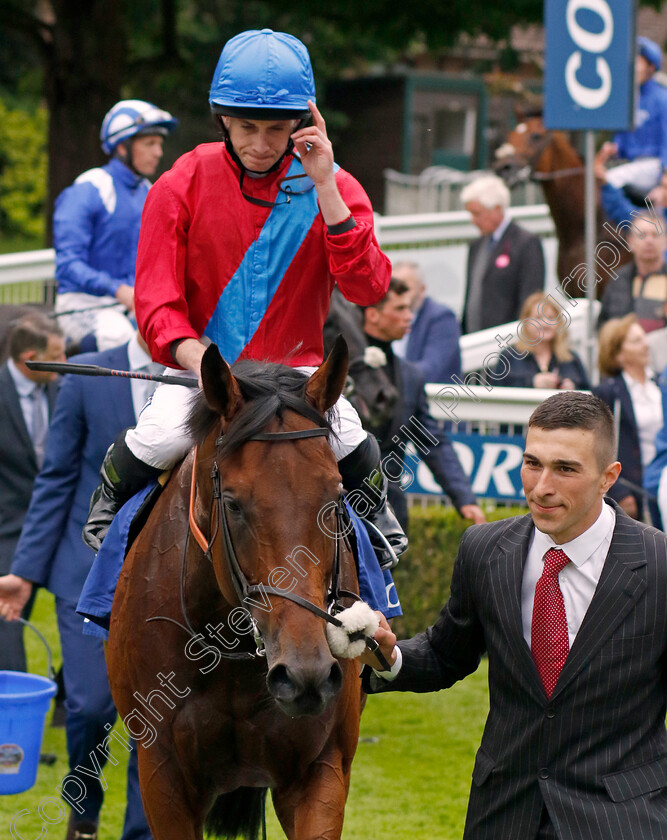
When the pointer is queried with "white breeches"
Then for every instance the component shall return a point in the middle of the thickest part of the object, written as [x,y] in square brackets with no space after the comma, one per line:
[111,325]
[643,174]
[160,437]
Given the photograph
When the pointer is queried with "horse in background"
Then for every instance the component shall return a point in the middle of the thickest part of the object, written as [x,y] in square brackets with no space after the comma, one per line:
[533,151]
[369,387]
[225,609]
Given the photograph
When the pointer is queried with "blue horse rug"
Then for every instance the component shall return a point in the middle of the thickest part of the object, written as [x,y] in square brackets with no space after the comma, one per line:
[376,587]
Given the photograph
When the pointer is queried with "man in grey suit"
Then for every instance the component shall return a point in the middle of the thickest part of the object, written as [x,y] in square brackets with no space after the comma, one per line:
[505,265]
[569,604]
[26,400]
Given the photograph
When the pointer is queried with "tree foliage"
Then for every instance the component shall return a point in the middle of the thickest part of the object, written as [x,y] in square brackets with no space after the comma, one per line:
[22,171]
[93,52]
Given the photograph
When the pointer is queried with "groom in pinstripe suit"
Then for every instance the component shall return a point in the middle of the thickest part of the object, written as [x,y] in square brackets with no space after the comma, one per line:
[575,745]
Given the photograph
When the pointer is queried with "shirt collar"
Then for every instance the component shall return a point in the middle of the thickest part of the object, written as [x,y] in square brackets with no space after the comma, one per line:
[24,386]
[136,354]
[123,173]
[582,548]
[631,382]
[497,234]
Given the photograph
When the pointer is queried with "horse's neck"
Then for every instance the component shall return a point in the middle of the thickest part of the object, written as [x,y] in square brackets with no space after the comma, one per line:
[564,193]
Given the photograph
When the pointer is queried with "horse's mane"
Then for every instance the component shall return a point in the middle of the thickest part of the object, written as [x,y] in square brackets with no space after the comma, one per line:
[268,390]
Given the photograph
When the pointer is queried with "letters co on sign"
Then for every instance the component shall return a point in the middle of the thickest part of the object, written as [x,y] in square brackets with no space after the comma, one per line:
[589,74]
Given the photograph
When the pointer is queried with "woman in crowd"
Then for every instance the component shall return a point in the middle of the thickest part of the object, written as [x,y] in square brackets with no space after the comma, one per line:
[629,389]
[541,358]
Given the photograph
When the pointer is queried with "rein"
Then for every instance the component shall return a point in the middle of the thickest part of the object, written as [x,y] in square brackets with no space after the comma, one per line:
[557,173]
[244,590]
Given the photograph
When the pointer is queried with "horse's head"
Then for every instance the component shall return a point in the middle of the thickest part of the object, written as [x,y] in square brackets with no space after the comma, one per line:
[517,159]
[369,387]
[276,519]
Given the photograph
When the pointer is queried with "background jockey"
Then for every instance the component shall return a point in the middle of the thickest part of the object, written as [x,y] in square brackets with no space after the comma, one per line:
[96,226]
[241,244]
[645,148]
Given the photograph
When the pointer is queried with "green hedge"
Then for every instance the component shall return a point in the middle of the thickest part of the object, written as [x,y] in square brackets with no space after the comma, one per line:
[424,573]
[23,168]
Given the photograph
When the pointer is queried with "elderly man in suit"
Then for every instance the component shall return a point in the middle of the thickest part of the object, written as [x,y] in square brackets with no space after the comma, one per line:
[89,414]
[384,323]
[26,401]
[505,265]
[432,344]
[568,602]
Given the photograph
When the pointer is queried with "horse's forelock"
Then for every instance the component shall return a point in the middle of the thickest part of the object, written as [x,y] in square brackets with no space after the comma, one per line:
[268,390]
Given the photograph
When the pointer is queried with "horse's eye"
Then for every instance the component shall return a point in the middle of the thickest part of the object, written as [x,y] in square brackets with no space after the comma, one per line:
[232,505]
[536,138]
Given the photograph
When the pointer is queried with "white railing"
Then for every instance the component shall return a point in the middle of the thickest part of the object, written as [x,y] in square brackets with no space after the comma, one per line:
[438,188]
[479,346]
[437,241]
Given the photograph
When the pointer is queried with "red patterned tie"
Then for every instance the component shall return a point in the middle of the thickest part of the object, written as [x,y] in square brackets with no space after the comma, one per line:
[549,641]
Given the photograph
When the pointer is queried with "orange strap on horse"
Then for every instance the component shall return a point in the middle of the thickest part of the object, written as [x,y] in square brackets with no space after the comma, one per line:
[197,532]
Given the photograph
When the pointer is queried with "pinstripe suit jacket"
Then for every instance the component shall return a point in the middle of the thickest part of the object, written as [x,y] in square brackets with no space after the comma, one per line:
[596,752]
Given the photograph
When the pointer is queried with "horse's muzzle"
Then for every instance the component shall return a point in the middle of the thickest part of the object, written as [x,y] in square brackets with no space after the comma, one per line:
[304,691]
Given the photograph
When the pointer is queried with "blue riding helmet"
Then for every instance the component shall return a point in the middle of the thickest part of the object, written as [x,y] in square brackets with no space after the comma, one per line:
[131,117]
[263,74]
[650,51]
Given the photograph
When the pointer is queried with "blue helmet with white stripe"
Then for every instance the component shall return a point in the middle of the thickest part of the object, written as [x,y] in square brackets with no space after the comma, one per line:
[263,75]
[130,118]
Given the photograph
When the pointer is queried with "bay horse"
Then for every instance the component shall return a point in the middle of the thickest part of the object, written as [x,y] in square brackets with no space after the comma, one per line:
[369,387]
[217,649]
[533,151]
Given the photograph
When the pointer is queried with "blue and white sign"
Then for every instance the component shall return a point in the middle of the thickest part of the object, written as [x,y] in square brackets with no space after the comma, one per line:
[590,59]
[491,462]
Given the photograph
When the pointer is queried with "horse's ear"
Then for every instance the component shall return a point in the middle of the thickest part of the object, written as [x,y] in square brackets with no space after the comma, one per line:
[220,388]
[327,383]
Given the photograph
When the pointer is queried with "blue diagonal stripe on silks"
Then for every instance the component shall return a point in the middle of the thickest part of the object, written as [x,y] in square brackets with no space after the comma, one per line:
[246,298]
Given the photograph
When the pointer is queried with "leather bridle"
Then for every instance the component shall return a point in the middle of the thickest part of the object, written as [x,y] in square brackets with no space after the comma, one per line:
[246,591]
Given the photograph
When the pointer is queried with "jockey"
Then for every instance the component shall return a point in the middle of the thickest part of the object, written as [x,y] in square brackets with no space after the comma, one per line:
[645,148]
[241,244]
[96,225]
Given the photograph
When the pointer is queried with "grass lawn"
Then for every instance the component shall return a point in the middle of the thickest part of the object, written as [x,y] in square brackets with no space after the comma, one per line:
[410,777]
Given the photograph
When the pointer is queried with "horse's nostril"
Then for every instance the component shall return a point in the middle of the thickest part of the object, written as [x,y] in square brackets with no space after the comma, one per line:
[280,683]
[335,681]
[301,692]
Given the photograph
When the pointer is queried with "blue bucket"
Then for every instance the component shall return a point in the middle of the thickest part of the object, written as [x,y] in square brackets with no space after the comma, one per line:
[24,702]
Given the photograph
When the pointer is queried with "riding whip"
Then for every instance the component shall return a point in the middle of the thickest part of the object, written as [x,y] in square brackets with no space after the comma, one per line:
[96,370]
[85,309]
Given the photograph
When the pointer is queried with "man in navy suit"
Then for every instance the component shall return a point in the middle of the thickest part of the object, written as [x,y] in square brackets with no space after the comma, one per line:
[568,603]
[433,341]
[26,401]
[505,265]
[89,414]
[385,322]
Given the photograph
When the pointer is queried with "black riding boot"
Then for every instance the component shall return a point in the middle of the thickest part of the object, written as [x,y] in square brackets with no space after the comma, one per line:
[123,475]
[367,492]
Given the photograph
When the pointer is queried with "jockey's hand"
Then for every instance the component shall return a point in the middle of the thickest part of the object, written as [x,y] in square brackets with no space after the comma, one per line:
[314,148]
[387,642]
[473,512]
[14,594]
[608,150]
[188,354]
[125,295]
[317,158]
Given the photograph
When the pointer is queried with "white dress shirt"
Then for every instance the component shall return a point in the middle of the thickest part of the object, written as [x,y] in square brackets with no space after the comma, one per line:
[24,389]
[579,578]
[647,406]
